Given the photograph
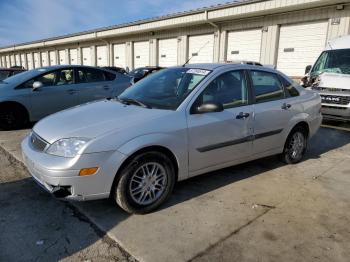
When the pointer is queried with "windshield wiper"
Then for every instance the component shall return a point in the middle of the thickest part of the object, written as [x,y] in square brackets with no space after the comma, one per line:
[128,101]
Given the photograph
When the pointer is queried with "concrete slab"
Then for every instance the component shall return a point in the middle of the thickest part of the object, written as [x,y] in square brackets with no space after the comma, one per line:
[223,215]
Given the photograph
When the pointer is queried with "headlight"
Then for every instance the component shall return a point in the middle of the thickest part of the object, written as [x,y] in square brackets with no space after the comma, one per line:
[67,147]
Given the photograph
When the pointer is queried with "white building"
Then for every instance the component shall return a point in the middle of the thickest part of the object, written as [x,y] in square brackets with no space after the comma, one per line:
[287,33]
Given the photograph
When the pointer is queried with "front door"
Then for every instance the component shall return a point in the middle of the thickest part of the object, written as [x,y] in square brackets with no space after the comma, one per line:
[221,137]
[57,93]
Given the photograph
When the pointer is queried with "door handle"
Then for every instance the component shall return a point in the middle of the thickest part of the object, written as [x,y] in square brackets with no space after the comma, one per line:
[286,106]
[106,87]
[242,115]
[72,91]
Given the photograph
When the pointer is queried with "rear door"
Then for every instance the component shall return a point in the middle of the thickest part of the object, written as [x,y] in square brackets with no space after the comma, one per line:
[94,84]
[58,93]
[272,111]
[221,137]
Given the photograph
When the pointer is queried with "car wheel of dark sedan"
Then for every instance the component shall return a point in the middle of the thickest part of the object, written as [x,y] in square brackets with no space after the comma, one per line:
[12,118]
[295,147]
[145,183]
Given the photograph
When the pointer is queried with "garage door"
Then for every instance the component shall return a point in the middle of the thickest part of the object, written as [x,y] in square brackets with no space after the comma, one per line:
[44,59]
[244,45]
[73,56]
[119,52]
[201,49]
[299,46]
[36,60]
[23,60]
[18,60]
[53,58]
[30,61]
[62,57]
[141,54]
[101,53]
[167,55]
[86,52]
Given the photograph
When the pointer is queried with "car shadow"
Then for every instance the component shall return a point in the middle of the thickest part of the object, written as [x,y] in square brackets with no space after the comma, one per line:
[324,141]
[34,226]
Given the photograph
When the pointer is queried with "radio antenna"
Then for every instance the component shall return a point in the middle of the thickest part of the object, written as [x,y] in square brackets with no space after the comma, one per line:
[195,53]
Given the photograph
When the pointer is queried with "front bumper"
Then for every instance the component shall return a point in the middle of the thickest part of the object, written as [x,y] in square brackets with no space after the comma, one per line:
[333,112]
[60,176]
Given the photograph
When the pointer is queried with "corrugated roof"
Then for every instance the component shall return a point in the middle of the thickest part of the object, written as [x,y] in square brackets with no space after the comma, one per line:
[143,21]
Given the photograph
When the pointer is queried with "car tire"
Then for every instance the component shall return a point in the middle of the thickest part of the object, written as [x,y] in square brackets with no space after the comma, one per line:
[295,146]
[145,183]
[12,118]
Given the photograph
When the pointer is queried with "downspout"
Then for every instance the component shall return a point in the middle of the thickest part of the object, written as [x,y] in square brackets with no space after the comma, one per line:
[108,48]
[218,31]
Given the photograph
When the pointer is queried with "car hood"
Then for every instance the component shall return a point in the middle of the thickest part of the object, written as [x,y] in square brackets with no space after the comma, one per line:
[94,119]
[334,80]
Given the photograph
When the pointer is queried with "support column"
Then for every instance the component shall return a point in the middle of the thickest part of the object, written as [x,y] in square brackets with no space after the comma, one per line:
[182,49]
[269,45]
[153,52]
[130,55]
[217,41]
[80,56]
[223,47]
[110,54]
[338,26]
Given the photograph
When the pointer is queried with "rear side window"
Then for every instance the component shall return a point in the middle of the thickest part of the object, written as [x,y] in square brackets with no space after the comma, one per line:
[110,76]
[266,86]
[90,75]
[291,91]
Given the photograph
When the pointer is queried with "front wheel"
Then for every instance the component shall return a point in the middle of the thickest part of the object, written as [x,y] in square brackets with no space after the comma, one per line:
[12,118]
[145,183]
[295,147]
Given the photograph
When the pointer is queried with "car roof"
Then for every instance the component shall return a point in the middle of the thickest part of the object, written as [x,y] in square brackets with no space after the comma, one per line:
[65,66]
[215,66]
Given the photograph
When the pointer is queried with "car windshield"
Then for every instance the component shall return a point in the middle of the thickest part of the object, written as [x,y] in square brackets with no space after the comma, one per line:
[334,61]
[166,89]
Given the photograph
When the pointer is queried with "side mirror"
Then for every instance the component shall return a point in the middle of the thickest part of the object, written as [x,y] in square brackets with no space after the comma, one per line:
[308,69]
[37,85]
[209,107]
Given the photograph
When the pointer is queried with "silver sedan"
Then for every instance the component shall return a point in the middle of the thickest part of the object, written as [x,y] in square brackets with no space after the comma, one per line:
[175,124]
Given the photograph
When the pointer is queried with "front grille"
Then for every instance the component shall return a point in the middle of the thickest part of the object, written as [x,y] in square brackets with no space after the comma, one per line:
[328,89]
[336,100]
[37,142]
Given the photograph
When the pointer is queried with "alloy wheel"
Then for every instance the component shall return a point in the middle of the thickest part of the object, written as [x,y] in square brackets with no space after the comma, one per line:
[148,183]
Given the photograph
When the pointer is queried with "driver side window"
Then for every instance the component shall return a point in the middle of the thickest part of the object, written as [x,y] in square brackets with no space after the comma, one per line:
[229,89]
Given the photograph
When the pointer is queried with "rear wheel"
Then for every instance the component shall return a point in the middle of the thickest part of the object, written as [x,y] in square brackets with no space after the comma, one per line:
[145,183]
[295,147]
[12,117]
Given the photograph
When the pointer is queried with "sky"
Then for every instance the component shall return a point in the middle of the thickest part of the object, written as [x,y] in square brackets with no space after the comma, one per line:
[29,20]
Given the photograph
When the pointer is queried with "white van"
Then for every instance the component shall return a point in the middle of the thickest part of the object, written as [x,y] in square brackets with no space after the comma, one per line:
[330,76]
